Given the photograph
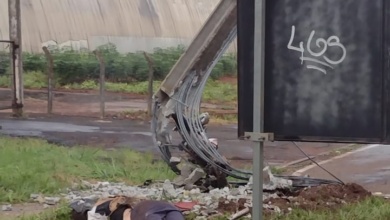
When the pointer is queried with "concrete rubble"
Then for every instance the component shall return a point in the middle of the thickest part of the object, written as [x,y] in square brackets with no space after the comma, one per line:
[207,204]
[273,183]
[6,208]
[184,188]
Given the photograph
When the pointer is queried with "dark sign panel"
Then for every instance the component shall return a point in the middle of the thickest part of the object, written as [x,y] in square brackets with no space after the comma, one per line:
[245,39]
[326,69]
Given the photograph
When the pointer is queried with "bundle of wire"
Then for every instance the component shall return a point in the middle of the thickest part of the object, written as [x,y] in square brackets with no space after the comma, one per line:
[187,110]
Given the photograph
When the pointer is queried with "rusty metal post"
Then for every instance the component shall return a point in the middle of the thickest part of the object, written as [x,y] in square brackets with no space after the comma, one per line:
[50,76]
[150,83]
[101,81]
[16,56]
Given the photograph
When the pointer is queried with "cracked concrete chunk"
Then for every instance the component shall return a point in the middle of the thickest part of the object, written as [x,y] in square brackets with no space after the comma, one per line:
[40,199]
[52,200]
[189,186]
[179,181]
[175,160]
[196,175]
[276,209]
[34,196]
[278,183]
[169,189]
[270,182]
[91,198]
[103,184]
[114,191]
[186,168]
[86,184]
[82,206]
[6,208]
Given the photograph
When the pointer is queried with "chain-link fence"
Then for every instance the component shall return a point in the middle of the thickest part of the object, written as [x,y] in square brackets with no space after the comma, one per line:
[76,80]
[5,76]
[76,76]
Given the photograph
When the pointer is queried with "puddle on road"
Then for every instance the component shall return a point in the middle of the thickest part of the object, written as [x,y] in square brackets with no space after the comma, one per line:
[36,126]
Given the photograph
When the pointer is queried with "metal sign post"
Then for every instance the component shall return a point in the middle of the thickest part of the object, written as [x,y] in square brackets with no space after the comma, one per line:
[258,107]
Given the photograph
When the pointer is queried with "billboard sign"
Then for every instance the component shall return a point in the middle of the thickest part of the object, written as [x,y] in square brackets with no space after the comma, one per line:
[326,70]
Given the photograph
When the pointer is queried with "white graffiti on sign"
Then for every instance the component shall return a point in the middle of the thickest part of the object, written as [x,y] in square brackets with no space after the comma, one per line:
[332,41]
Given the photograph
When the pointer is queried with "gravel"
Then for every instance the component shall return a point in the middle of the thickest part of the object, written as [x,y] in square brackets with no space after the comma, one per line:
[81,197]
[161,191]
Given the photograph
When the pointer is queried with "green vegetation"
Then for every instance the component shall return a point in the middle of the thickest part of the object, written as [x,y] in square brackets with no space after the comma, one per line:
[220,92]
[124,72]
[34,166]
[215,91]
[76,67]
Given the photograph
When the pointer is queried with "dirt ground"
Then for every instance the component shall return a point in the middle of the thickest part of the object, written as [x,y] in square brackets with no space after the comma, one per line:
[323,197]
[83,102]
[19,210]
[77,102]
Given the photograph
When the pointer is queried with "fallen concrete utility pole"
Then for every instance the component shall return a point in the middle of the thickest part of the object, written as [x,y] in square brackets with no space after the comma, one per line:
[180,93]
[179,98]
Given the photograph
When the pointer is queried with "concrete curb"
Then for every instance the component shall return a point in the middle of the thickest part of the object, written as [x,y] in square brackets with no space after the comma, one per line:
[303,170]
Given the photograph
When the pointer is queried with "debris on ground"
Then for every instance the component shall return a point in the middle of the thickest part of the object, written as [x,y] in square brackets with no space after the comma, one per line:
[6,208]
[234,201]
[320,197]
[240,214]
[48,201]
[188,201]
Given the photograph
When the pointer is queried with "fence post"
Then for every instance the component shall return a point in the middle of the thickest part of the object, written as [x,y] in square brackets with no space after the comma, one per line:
[150,83]
[101,81]
[50,76]
[15,35]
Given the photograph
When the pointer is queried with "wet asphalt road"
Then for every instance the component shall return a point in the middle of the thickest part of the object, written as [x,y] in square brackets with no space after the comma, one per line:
[369,167]
[136,135]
